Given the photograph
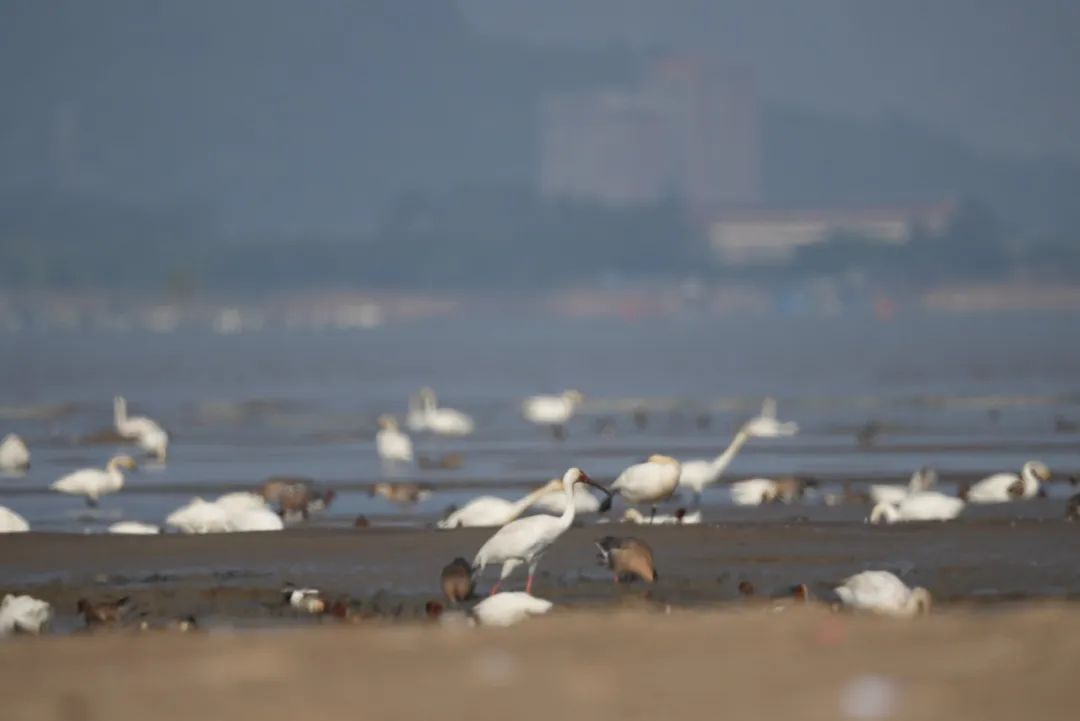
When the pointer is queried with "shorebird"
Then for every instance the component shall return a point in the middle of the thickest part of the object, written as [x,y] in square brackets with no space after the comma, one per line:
[628,558]
[525,540]
[457,581]
[651,482]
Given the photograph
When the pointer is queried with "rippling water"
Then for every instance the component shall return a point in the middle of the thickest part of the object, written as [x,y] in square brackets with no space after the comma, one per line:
[964,394]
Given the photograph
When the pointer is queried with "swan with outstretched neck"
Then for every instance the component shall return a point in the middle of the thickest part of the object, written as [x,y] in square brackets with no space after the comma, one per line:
[494,511]
[147,432]
[525,540]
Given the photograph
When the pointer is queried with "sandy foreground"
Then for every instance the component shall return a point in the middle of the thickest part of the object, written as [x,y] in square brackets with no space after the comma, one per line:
[802,663]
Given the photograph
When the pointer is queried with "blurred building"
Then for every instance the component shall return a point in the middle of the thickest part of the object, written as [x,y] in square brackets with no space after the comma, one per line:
[689,130]
[763,236]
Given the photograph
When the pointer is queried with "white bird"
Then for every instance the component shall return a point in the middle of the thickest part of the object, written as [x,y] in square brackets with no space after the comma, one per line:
[920,506]
[553,411]
[679,518]
[494,511]
[508,608]
[258,519]
[766,424]
[554,501]
[199,516]
[651,482]
[390,443]
[23,613]
[754,492]
[921,480]
[444,421]
[93,483]
[525,540]
[308,600]
[155,442]
[882,592]
[134,528]
[14,455]
[416,417]
[130,427]
[12,522]
[1002,487]
[241,502]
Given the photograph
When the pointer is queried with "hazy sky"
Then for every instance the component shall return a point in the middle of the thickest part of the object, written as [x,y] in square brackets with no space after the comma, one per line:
[1001,74]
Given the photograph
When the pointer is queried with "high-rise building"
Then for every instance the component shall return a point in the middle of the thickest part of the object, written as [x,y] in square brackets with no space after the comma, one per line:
[690,129]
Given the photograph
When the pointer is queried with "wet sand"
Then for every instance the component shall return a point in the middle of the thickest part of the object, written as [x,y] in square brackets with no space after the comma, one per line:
[236,578]
[803,663]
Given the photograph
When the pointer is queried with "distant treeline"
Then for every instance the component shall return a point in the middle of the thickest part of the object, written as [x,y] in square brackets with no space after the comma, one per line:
[472,238]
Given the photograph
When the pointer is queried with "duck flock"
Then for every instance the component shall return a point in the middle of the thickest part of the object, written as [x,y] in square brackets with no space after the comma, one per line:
[520,541]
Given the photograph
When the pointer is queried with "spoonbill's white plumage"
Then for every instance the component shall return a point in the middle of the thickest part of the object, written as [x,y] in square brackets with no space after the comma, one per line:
[766,425]
[443,421]
[199,516]
[525,540]
[494,511]
[882,592]
[553,411]
[921,480]
[23,613]
[508,608]
[134,528]
[920,506]
[1002,487]
[679,518]
[651,482]
[390,443]
[554,501]
[700,472]
[93,483]
[14,455]
[12,522]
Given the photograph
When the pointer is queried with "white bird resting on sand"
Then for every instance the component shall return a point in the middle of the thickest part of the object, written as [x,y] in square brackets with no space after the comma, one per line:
[134,528]
[508,608]
[754,492]
[651,482]
[232,512]
[921,506]
[698,473]
[23,613]
[93,483]
[391,443]
[921,480]
[553,411]
[494,511]
[525,540]
[12,522]
[14,455]
[883,593]
[1003,487]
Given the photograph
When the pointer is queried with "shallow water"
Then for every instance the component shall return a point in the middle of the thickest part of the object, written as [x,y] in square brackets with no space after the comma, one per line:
[967,395]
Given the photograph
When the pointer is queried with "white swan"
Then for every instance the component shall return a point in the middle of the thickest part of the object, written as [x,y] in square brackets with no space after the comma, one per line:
[651,482]
[444,421]
[554,501]
[134,528]
[882,592]
[492,510]
[1002,487]
[700,472]
[199,516]
[920,506]
[553,411]
[12,522]
[23,613]
[921,480]
[148,433]
[754,492]
[416,417]
[633,515]
[241,502]
[390,443]
[525,540]
[258,519]
[766,424]
[93,483]
[14,455]
[508,608]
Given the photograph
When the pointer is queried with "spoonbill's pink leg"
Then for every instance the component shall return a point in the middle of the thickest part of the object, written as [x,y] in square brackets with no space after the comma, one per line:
[495,588]
[528,584]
